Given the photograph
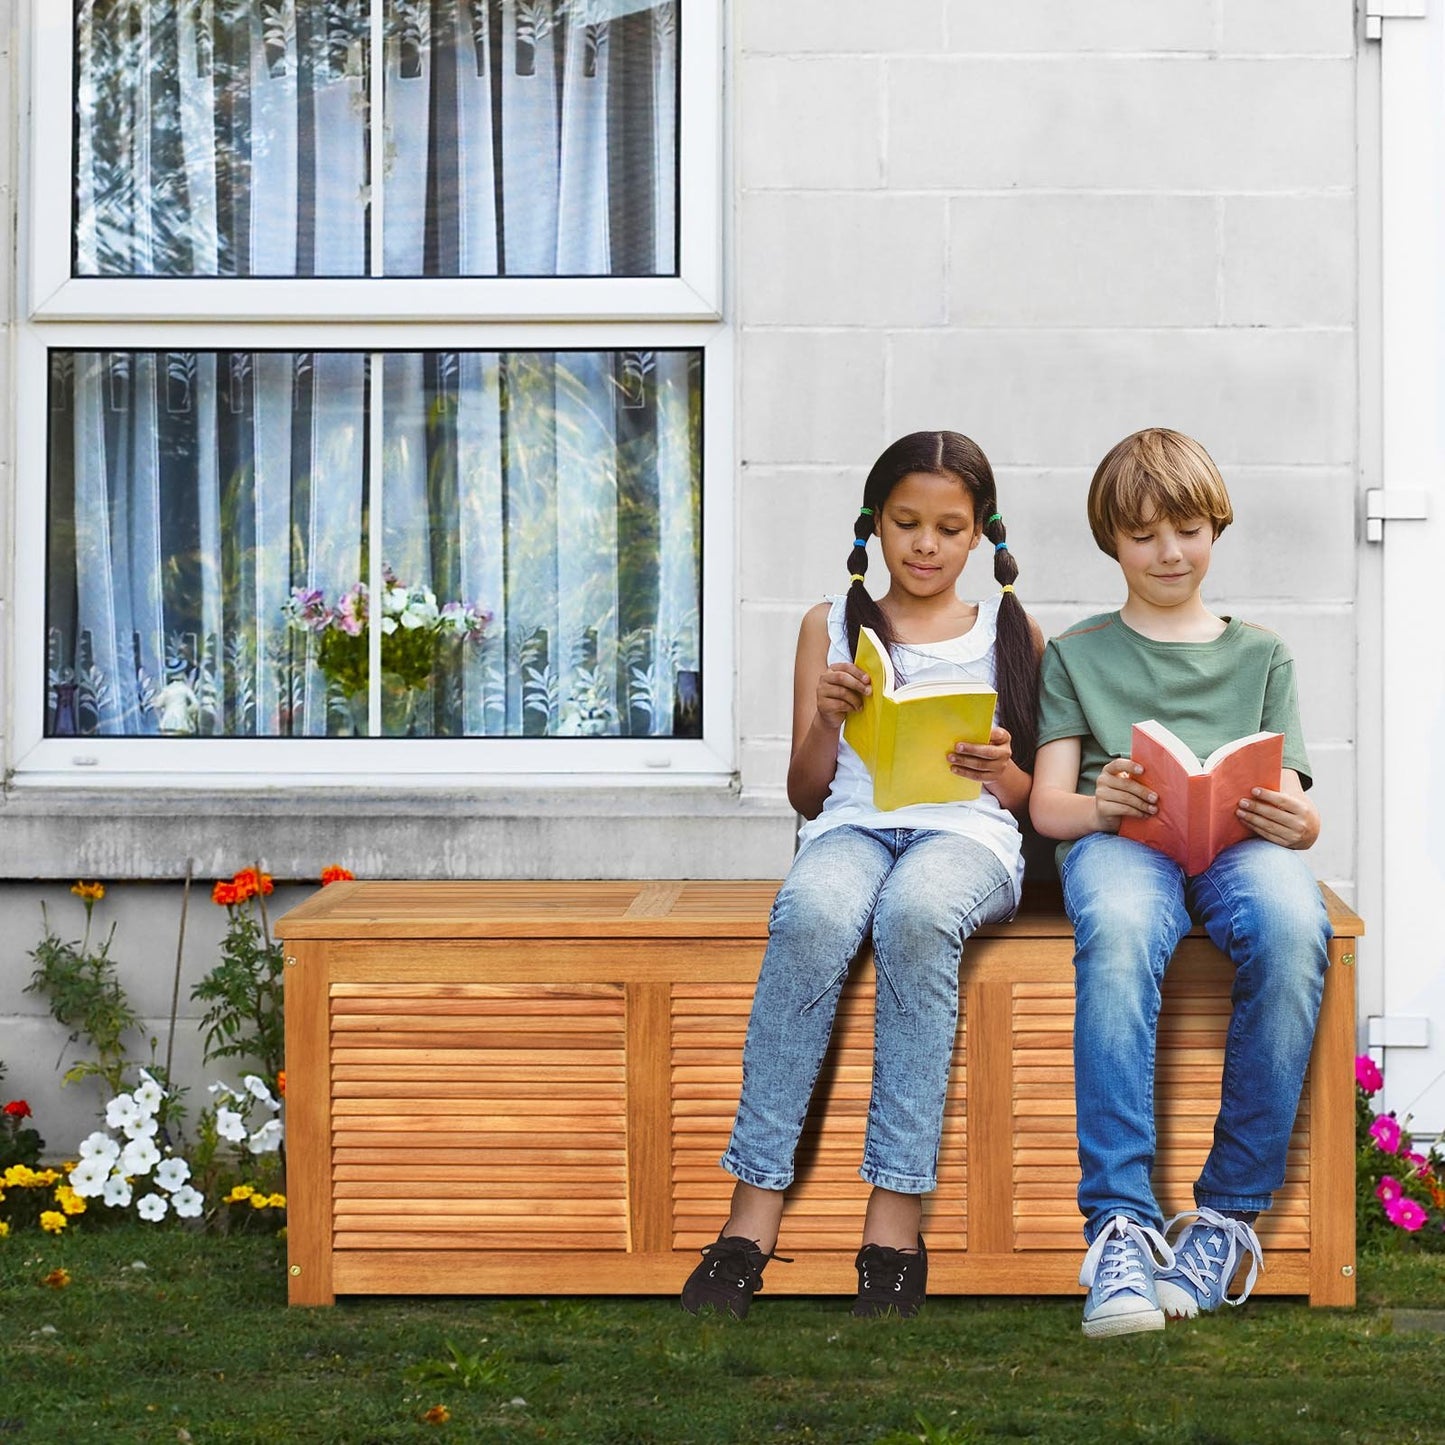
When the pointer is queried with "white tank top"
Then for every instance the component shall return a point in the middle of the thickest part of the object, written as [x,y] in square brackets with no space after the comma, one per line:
[850,797]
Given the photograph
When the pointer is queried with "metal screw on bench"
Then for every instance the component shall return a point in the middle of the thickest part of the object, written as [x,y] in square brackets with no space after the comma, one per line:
[295,1269]
[290,960]
[1348,959]
[1347,1270]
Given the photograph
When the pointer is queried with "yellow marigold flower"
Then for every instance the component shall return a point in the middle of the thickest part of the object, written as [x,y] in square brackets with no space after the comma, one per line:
[57,1278]
[277,1201]
[239,1194]
[19,1176]
[94,892]
[46,1177]
[4,1229]
[69,1200]
[52,1221]
[258,1201]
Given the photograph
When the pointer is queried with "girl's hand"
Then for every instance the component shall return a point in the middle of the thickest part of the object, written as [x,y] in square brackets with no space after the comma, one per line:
[1284,818]
[1118,795]
[841,690]
[983,762]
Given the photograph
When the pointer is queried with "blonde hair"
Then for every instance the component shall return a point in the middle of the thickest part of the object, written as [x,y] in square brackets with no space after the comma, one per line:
[1155,472]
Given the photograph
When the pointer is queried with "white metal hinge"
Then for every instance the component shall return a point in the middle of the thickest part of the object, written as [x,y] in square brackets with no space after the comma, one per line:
[1398,1032]
[1392,505]
[1378,11]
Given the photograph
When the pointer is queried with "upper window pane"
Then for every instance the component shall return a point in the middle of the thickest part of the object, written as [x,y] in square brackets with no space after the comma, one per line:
[519,138]
[221,138]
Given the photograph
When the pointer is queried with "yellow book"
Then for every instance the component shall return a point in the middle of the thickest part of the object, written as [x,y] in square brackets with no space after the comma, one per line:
[905,731]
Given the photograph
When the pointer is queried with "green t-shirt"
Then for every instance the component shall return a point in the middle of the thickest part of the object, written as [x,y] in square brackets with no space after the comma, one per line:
[1101,677]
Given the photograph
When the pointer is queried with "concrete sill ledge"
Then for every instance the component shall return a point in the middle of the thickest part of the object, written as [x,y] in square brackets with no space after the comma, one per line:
[613,832]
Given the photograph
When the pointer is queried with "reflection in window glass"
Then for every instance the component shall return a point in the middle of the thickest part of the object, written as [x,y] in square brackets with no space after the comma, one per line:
[190,494]
[208,559]
[221,138]
[561,492]
[230,137]
[531,139]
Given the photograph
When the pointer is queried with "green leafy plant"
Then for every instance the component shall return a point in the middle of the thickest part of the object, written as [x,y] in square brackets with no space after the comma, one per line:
[80,985]
[19,1142]
[461,1370]
[244,1019]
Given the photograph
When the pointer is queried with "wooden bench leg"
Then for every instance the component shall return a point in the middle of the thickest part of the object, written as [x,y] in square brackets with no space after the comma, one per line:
[1332,1136]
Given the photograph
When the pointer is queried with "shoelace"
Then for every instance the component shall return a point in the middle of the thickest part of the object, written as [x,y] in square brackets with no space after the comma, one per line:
[732,1264]
[1115,1260]
[892,1280]
[1204,1257]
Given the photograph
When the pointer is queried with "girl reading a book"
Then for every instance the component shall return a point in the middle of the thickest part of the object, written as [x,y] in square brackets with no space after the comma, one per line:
[917,879]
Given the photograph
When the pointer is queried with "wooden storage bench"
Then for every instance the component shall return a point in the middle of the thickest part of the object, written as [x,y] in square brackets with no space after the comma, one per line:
[501,1087]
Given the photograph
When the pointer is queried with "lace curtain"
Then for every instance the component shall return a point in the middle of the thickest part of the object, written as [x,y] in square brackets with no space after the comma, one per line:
[521,138]
[193,494]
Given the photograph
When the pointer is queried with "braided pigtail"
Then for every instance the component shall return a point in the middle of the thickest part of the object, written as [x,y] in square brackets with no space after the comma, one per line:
[1016,656]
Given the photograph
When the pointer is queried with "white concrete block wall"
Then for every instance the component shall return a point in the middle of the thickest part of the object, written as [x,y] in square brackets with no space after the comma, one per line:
[1147,215]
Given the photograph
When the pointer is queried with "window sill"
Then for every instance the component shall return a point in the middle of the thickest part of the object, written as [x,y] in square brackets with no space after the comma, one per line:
[395,832]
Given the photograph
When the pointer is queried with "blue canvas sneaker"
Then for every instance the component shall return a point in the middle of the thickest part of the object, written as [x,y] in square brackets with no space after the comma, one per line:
[1118,1272]
[1207,1255]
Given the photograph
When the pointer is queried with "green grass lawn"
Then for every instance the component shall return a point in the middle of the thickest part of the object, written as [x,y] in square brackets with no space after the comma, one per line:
[166,1336]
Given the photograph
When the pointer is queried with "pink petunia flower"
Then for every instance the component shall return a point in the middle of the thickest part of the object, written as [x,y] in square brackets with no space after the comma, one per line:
[1368,1075]
[1418,1162]
[1385,1131]
[1388,1190]
[1405,1213]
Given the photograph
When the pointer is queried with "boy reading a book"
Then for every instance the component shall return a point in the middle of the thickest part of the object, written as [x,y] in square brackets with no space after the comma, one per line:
[1156,505]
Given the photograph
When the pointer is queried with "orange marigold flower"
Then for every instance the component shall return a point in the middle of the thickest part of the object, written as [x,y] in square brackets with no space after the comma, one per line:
[57,1278]
[92,892]
[335,873]
[437,1415]
[281,1083]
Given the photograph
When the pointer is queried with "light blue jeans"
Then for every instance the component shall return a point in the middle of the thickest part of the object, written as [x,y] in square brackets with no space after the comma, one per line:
[1130,905]
[922,892]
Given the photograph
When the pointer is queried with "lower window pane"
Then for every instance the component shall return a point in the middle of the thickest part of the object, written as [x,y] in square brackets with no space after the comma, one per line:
[209,567]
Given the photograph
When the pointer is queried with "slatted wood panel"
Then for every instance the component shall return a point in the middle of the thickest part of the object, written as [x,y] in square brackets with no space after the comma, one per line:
[827,1200]
[478,1116]
[1192,1026]
[535,1098]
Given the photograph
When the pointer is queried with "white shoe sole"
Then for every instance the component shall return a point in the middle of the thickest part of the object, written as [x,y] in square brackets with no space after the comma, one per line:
[1136,1322]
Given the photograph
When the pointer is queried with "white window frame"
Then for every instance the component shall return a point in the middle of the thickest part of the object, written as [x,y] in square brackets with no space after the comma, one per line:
[694,294]
[483,314]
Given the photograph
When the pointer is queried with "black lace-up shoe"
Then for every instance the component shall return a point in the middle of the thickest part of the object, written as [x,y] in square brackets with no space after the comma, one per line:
[890,1281]
[730,1274]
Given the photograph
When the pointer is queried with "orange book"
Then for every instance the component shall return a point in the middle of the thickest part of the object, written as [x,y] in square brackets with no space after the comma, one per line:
[1197,801]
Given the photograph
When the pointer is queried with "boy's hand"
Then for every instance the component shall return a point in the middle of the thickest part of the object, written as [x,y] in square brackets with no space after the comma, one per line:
[984,762]
[1118,795]
[841,690]
[1284,818]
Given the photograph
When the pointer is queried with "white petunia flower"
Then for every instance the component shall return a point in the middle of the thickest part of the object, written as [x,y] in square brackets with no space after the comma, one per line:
[88,1177]
[100,1146]
[121,1110]
[230,1125]
[188,1202]
[117,1192]
[139,1156]
[172,1173]
[256,1087]
[151,1207]
[267,1139]
[143,1126]
[149,1096]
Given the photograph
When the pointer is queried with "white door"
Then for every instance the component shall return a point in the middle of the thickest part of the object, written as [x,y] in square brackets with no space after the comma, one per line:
[1406,920]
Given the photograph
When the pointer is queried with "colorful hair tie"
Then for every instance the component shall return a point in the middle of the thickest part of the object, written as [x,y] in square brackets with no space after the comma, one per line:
[855,576]
[997,517]
[1007,587]
[1000,546]
[865,511]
